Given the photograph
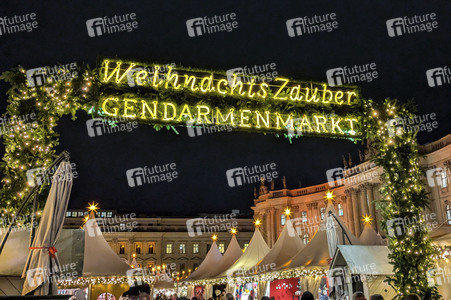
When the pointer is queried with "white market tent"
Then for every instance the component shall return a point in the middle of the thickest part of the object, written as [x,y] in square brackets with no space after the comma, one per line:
[254,253]
[287,245]
[232,254]
[210,262]
[99,258]
[370,237]
[317,253]
[366,264]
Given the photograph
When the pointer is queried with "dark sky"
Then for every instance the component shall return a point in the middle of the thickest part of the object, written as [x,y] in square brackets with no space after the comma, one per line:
[261,38]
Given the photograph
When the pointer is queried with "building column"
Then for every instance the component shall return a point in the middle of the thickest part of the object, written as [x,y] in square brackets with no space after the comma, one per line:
[377,196]
[369,192]
[363,201]
[272,211]
[349,205]
[355,211]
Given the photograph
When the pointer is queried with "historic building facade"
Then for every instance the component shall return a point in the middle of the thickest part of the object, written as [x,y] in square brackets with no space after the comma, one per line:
[164,241]
[355,189]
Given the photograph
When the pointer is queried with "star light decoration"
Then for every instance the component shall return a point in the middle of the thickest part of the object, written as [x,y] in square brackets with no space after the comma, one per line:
[367,219]
[233,231]
[329,196]
[93,206]
[287,212]
[214,237]
[257,222]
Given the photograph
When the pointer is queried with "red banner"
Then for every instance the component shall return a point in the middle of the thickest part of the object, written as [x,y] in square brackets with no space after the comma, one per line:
[283,289]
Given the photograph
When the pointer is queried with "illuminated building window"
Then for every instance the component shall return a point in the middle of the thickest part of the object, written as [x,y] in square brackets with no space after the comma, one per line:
[68,213]
[221,247]
[168,248]
[74,214]
[195,248]
[245,246]
[304,216]
[448,213]
[138,249]
[323,212]
[122,227]
[109,214]
[182,248]
[103,214]
[150,266]
[283,219]
[80,214]
[444,179]
[305,239]
[151,247]
[122,249]
[340,210]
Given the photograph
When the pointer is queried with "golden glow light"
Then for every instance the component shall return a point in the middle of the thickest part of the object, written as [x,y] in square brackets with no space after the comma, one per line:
[233,231]
[257,222]
[329,196]
[367,219]
[287,212]
[93,206]
[214,237]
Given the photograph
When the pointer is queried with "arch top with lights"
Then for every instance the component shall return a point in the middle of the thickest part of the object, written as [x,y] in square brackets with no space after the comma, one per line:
[164,96]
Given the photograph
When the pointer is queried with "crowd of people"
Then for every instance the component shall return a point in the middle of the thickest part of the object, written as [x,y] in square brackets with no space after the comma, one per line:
[142,292]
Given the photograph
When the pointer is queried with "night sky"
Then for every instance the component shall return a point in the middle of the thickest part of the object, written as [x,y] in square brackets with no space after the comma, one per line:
[261,38]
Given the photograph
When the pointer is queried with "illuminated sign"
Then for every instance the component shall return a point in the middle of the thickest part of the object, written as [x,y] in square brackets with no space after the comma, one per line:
[179,95]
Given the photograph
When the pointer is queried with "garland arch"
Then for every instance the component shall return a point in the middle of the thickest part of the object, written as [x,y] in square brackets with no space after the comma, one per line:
[166,96]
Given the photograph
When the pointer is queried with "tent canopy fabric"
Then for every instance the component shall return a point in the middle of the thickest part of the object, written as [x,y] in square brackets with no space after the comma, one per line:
[210,261]
[316,252]
[99,258]
[42,257]
[369,236]
[255,252]
[287,245]
[232,254]
[363,260]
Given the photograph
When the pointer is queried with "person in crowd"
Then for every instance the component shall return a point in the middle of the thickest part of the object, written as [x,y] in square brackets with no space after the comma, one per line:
[307,296]
[210,298]
[265,298]
[358,296]
[229,297]
[413,297]
[376,297]
[194,298]
[250,297]
[222,296]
